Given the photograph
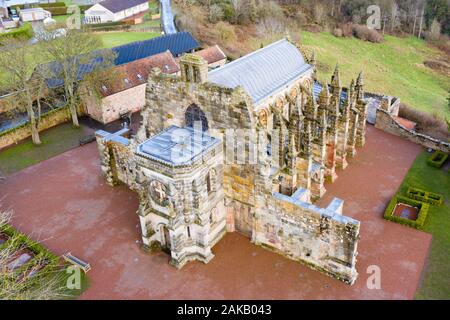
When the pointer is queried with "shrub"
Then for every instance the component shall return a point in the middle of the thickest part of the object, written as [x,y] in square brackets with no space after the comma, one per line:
[437,159]
[366,34]
[347,30]
[422,215]
[57,11]
[425,196]
[51,5]
[23,32]
[225,31]
[215,13]
[337,32]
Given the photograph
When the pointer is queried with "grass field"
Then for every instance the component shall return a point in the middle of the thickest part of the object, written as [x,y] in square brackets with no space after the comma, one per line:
[113,39]
[394,67]
[436,282]
[54,141]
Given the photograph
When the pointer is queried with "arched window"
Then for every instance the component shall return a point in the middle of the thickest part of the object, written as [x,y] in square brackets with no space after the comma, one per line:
[195,114]
[211,181]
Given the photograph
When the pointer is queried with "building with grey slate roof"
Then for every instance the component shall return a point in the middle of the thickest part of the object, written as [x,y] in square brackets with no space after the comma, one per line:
[246,147]
[114,10]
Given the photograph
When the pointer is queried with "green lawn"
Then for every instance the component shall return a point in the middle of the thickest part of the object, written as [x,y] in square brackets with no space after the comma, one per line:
[436,283]
[394,67]
[54,141]
[113,39]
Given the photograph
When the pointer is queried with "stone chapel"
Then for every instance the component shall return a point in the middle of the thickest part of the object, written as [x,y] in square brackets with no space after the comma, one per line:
[246,147]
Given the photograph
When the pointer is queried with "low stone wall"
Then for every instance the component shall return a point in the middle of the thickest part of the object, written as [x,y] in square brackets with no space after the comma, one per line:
[48,120]
[321,238]
[386,122]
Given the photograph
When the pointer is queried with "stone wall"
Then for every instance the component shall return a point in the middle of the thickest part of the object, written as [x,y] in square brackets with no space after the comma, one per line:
[47,121]
[323,239]
[109,108]
[387,123]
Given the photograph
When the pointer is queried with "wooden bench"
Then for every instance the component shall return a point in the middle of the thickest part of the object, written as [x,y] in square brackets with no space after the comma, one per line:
[78,262]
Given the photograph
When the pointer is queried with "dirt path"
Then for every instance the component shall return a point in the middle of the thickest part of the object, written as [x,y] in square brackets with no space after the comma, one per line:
[65,202]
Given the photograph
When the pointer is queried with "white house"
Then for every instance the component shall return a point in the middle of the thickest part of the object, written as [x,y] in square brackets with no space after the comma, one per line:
[5,4]
[34,14]
[114,10]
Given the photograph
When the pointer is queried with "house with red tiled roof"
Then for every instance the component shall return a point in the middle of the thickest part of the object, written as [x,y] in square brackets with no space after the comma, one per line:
[125,91]
[213,55]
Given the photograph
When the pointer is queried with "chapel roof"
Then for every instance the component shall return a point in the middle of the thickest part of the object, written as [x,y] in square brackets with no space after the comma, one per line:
[177,146]
[264,71]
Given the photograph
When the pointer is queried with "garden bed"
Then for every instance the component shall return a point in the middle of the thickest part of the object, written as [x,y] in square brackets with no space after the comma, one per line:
[425,196]
[437,159]
[400,210]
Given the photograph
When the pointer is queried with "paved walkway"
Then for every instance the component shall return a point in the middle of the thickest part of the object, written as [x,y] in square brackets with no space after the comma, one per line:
[65,203]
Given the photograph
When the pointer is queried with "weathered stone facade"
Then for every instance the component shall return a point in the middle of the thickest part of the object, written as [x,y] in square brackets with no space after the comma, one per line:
[275,155]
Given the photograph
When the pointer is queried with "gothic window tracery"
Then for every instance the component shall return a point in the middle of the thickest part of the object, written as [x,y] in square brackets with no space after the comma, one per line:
[211,181]
[195,114]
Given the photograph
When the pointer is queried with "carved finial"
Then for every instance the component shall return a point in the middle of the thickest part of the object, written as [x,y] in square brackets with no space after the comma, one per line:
[351,90]
[312,60]
[359,86]
[335,79]
[324,95]
[360,79]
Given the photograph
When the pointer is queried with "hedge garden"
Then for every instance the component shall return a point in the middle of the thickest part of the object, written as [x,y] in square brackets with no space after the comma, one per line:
[437,159]
[421,206]
[425,196]
[42,269]
[435,284]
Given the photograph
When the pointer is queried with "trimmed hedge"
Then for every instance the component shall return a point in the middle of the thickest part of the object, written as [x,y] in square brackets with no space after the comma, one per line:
[417,224]
[425,196]
[437,159]
[57,11]
[23,32]
[54,4]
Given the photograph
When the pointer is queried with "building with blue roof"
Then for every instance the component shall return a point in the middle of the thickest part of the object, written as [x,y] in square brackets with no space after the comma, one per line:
[177,44]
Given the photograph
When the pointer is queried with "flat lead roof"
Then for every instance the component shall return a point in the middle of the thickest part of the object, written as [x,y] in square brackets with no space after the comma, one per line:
[177,146]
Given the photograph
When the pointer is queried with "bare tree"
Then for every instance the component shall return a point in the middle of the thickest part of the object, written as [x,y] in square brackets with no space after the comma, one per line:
[17,63]
[29,283]
[70,54]
[421,21]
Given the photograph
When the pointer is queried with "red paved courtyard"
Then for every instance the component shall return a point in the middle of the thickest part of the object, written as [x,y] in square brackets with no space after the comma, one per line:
[65,203]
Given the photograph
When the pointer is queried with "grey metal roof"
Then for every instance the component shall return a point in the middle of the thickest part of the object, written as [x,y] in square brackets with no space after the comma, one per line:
[120,5]
[263,72]
[177,146]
